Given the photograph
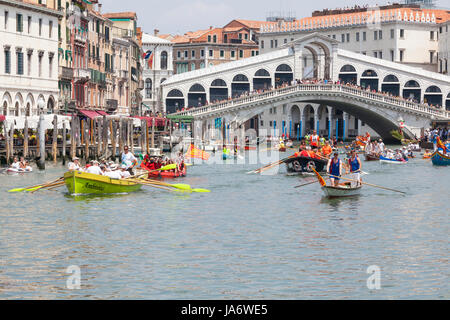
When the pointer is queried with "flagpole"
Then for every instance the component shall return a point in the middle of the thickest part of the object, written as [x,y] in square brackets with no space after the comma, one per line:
[154,80]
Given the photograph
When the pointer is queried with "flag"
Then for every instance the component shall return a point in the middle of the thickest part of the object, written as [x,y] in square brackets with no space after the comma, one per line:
[195,153]
[440,145]
[147,54]
[150,61]
[319,177]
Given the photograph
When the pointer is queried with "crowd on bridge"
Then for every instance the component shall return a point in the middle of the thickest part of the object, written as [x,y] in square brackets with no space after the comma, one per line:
[297,82]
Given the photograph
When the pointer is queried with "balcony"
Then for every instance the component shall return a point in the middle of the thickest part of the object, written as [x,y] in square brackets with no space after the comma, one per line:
[122,75]
[65,73]
[81,75]
[81,37]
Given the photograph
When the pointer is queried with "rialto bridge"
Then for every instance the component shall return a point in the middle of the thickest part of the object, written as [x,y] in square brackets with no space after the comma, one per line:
[242,91]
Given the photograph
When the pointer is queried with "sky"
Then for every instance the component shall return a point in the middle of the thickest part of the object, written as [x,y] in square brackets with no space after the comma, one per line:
[181,16]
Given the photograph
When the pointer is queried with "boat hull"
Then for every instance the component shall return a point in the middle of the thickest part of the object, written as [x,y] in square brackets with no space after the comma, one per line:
[340,192]
[304,164]
[371,157]
[85,183]
[440,159]
[391,161]
[167,174]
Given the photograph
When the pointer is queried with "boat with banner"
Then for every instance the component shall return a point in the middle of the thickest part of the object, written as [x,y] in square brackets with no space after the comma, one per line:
[341,191]
[392,161]
[305,164]
[440,159]
[78,182]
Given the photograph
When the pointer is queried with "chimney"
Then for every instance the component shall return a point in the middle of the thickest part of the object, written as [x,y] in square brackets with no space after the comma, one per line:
[156,31]
[99,8]
[210,27]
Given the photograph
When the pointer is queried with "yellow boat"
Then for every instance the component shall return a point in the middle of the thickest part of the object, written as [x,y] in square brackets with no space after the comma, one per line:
[78,182]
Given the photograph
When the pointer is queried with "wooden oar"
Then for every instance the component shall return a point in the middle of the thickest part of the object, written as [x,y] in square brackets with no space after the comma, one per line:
[373,185]
[39,185]
[180,186]
[33,190]
[271,165]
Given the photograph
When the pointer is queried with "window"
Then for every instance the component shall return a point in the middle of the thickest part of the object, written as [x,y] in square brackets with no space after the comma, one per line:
[364,36]
[6,19]
[380,34]
[262,123]
[29,55]
[179,54]
[233,54]
[185,54]
[276,43]
[50,66]
[164,60]
[214,38]
[246,36]
[285,41]
[334,36]
[402,33]
[222,53]
[392,33]
[211,53]
[392,55]
[50,29]
[202,53]
[148,88]
[209,38]
[271,43]
[342,37]
[19,62]
[375,35]
[402,54]
[431,56]
[262,44]
[193,54]
[375,54]
[19,23]
[241,53]
[40,64]
[348,37]
[380,54]
[40,27]
[29,24]
[7,61]
[357,37]
[431,35]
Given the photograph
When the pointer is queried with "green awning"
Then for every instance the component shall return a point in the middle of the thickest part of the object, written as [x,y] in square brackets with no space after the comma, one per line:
[87,1]
[183,119]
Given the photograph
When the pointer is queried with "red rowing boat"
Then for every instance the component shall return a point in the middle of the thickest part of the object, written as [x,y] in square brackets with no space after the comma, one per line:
[164,174]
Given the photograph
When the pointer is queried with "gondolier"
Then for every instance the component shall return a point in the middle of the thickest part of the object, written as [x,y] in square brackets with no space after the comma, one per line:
[334,169]
[355,168]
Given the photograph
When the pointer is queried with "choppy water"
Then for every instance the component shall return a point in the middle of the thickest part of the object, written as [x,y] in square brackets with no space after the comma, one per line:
[253,237]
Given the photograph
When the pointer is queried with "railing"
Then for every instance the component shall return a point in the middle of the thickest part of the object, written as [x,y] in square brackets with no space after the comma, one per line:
[332,88]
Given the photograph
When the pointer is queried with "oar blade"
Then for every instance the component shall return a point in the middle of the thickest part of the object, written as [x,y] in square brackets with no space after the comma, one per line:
[200,190]
[181,186]
[34,189]
[17,190]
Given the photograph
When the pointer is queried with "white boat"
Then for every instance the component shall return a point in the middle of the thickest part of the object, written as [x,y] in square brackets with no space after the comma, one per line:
[15,170]
[341,191]
[392,161]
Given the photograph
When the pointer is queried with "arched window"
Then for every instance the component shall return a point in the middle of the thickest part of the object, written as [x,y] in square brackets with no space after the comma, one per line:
[148,88]
[197,88]
[348,68]
[218,83]
[50,106]
[164,60]
[175,93]
[390,78]
[28,111]
[163,79]
[16,109]
[412,84]
[433,89]
[240,78]
[369,73]
[5,108]
[262,73]
[284,68]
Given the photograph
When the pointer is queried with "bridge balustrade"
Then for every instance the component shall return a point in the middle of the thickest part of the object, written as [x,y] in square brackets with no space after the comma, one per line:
[252,97]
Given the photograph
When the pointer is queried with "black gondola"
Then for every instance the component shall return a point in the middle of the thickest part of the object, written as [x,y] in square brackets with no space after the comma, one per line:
[305,164]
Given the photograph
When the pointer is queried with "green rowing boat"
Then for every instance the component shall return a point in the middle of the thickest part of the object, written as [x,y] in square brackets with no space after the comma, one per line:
[85,183]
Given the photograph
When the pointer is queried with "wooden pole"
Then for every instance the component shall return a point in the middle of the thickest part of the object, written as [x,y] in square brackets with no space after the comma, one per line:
[8,145]
[170,135]
[25,139]
[113,139]
[131,134]
[105,136]
[87,139]
[147,142]
[11,140]
[41,162]
[121,134]
[72,137]
[64,138]
[153,132]
[55,138]
[99,138]
[141,137]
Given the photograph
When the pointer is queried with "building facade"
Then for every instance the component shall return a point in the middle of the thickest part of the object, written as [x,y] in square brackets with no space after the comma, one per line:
[156,69]
[29,74]
[444,47]
[406,34]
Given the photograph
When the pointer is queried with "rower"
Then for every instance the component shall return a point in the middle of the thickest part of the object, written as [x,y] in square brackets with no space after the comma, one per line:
[95,169]
[74,165]
[15,164]
[355,168]
[314,139]
[129,160]
[334,169]
[124,173]
[326,149]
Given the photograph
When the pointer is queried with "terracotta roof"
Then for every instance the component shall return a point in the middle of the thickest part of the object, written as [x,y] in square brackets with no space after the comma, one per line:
[253,24]
[120,15]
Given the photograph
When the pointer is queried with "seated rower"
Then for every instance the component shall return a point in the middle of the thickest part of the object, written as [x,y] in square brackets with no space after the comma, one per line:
[15,164]
[95,169]
[123,172]
[74,165]
[112,172]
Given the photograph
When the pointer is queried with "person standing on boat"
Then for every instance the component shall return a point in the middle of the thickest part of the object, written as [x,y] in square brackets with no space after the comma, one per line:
[129,160]
[355,168]
[334,169]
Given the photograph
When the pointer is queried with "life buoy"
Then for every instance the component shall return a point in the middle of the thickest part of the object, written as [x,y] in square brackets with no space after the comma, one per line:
[311,165]
[297,166]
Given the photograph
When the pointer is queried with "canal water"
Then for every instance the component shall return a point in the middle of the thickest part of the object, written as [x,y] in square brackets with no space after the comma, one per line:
[253,237]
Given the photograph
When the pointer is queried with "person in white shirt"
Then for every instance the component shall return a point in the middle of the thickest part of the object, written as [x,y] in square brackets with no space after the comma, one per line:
[112,172]
[381,146]
[74,165]
[95,169]
[15,164]
[128,159]
[124,173]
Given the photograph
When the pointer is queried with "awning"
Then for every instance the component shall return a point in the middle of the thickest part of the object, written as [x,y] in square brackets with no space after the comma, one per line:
[33,121]
[102,113]
[159,122]
[2,118]
[91,114]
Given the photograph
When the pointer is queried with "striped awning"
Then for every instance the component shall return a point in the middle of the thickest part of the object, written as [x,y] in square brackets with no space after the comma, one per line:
[91,114]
